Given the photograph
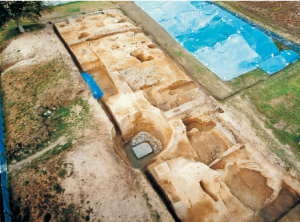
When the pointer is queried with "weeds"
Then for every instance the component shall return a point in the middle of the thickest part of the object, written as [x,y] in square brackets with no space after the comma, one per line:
[280,46]
[145,195]
[62,173]
[42,112]
[81,5]
[57,188]
[278,99]
[73,10]
[69,214]
[248,79]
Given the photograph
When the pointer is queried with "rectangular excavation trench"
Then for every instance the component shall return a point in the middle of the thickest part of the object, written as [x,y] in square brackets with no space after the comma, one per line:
[126,154]
[146,93]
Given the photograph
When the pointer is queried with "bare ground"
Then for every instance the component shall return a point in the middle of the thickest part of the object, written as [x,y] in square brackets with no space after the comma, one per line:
[59,181]
[118,192]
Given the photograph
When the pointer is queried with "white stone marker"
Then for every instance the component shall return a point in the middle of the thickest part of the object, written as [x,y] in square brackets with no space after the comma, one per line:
[142,150]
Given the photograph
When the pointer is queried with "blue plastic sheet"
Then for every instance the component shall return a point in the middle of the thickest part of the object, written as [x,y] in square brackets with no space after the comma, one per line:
[223,43]
[3,164]
[5,198]
[4,179]
[3,175]
[93,85]
[7,217]
[279,61]
[1,142]
[1,124]
[1,132]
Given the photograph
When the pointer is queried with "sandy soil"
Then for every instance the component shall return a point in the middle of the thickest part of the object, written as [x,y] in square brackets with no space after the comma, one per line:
[97,182]
[97,185]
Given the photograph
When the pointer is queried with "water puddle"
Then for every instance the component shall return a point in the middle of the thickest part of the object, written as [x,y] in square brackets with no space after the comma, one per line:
[137,163]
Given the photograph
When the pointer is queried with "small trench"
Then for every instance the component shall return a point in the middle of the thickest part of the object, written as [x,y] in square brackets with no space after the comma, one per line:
[161,193]
[67,47]
[136,163]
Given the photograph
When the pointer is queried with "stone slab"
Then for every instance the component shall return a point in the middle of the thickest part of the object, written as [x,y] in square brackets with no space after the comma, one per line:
[142,150]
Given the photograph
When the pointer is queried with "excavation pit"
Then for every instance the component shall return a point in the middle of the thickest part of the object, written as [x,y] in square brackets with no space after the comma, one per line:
[138,163]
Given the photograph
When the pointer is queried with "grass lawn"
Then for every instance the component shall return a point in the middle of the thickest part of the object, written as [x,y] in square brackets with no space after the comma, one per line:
[278,99]
[82,7]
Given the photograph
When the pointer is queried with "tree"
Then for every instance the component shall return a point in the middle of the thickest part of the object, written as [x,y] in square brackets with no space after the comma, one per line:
[18,10]
[4,14]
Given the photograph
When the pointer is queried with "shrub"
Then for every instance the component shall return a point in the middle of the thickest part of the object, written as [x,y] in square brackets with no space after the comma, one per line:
[57,188]
[62,173]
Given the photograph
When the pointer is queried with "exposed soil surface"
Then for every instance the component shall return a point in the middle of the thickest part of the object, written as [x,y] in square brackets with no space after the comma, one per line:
[80,141]
[195,144]
[212,163]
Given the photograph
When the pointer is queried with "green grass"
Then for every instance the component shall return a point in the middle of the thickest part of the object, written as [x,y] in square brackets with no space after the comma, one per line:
[73,10]
[280,46]
[145,195]
[85,6]
[278,99]
[13,31]
[62,173]
[57,188]
[246,80]
[23,115]
[70,214]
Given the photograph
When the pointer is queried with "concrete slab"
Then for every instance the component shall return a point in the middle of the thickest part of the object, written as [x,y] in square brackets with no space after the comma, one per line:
[142,150]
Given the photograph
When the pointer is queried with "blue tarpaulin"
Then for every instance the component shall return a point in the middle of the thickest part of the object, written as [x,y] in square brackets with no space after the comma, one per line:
[4,179]
[226,45]
[281,60]
[1,140]
[93,85]
[1,124]
[7,217]
[3,163]
[1,131]
[3,175]
[2,150]
[5,197]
